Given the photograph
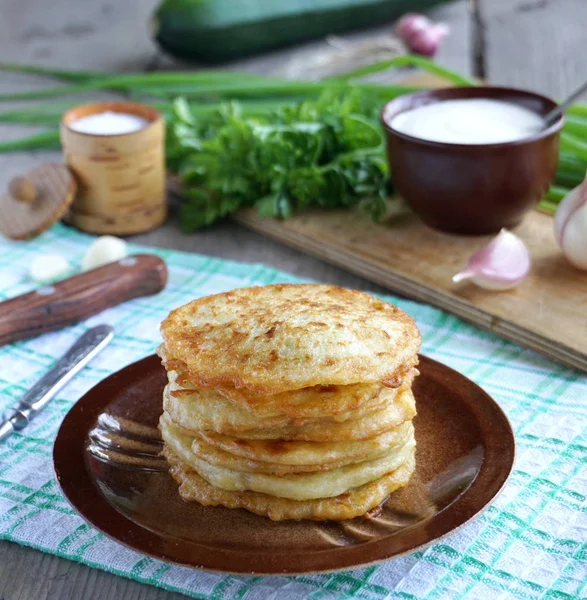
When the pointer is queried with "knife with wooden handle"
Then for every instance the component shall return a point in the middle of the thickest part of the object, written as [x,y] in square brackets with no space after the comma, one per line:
[55,306]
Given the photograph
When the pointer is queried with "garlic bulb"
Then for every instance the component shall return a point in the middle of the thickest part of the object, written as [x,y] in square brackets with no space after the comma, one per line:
[570,226]
[500,265]
[410,23]
[49,268]
[104,250]
[420,34]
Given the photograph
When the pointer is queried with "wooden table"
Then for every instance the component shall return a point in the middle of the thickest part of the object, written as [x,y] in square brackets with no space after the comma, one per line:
[534,44]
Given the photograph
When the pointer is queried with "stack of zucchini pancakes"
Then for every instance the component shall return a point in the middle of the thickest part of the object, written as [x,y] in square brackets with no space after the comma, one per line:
[290,401]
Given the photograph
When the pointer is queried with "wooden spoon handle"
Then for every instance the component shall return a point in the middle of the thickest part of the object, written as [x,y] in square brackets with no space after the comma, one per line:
[71,300]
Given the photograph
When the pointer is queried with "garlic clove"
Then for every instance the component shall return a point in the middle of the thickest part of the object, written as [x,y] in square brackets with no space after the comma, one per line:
[420,34]
[500,265]
[104,250]
[570,226]
[49,268]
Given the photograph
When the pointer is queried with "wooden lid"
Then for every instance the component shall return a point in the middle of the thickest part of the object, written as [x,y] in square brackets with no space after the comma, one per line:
[36,200]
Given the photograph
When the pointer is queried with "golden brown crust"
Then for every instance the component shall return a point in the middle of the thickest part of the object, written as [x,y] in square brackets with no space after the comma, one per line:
[354,503]
[278,338]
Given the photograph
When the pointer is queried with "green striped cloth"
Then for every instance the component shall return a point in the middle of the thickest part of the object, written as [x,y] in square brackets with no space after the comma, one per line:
[532,543]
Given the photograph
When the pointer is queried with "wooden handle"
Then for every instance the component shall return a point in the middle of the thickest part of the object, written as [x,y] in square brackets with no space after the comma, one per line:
[23,189]
[69,301]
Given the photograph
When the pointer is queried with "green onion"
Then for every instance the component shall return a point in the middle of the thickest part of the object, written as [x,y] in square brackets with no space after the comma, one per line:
[547,207]
[574,145]
[408,60]
[556,193]
[579,110]
[154,77]
[178,77]
[226,89]
[224,83]
[65,75]
[575,126]
[205,81]
[569,160]
[46,114]
[51,113]
[551,200]
[570,173]
[568,179]
[44,140]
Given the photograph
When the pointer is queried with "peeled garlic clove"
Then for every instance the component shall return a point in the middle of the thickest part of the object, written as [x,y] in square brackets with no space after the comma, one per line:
[104,250]
[570,226]
[49,268]
[501,265]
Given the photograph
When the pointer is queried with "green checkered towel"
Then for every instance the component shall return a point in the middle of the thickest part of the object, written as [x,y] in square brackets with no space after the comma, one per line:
[532,543]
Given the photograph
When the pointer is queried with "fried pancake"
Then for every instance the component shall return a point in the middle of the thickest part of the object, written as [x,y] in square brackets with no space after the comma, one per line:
[337,401]
[353,503]
[314,455]
[209,410]
[295,486]
[244,425]
[217,456]
[221,458]
[278,338]
[282,458]
[218,414]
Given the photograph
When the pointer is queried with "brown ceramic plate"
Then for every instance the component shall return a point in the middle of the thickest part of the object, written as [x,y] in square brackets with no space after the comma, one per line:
[107,463]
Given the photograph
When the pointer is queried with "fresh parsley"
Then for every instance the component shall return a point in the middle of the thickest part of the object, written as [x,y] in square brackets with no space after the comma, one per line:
[327,152]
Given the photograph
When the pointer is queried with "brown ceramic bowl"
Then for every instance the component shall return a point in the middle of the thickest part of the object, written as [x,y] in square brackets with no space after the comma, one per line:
[472,189]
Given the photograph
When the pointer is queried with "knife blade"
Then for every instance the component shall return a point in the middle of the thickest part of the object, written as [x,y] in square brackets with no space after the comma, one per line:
[37,398]
[54,306]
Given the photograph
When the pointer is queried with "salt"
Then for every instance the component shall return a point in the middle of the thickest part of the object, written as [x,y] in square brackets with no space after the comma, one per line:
[109,123]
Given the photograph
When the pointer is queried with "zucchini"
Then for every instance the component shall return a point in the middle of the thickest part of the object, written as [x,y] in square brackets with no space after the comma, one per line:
[218,30]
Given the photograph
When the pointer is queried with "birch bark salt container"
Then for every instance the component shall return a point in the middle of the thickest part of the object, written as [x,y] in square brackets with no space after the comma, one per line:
[120,171]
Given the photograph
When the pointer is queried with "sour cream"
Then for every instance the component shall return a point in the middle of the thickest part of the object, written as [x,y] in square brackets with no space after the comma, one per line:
[470,121]
[109,123]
